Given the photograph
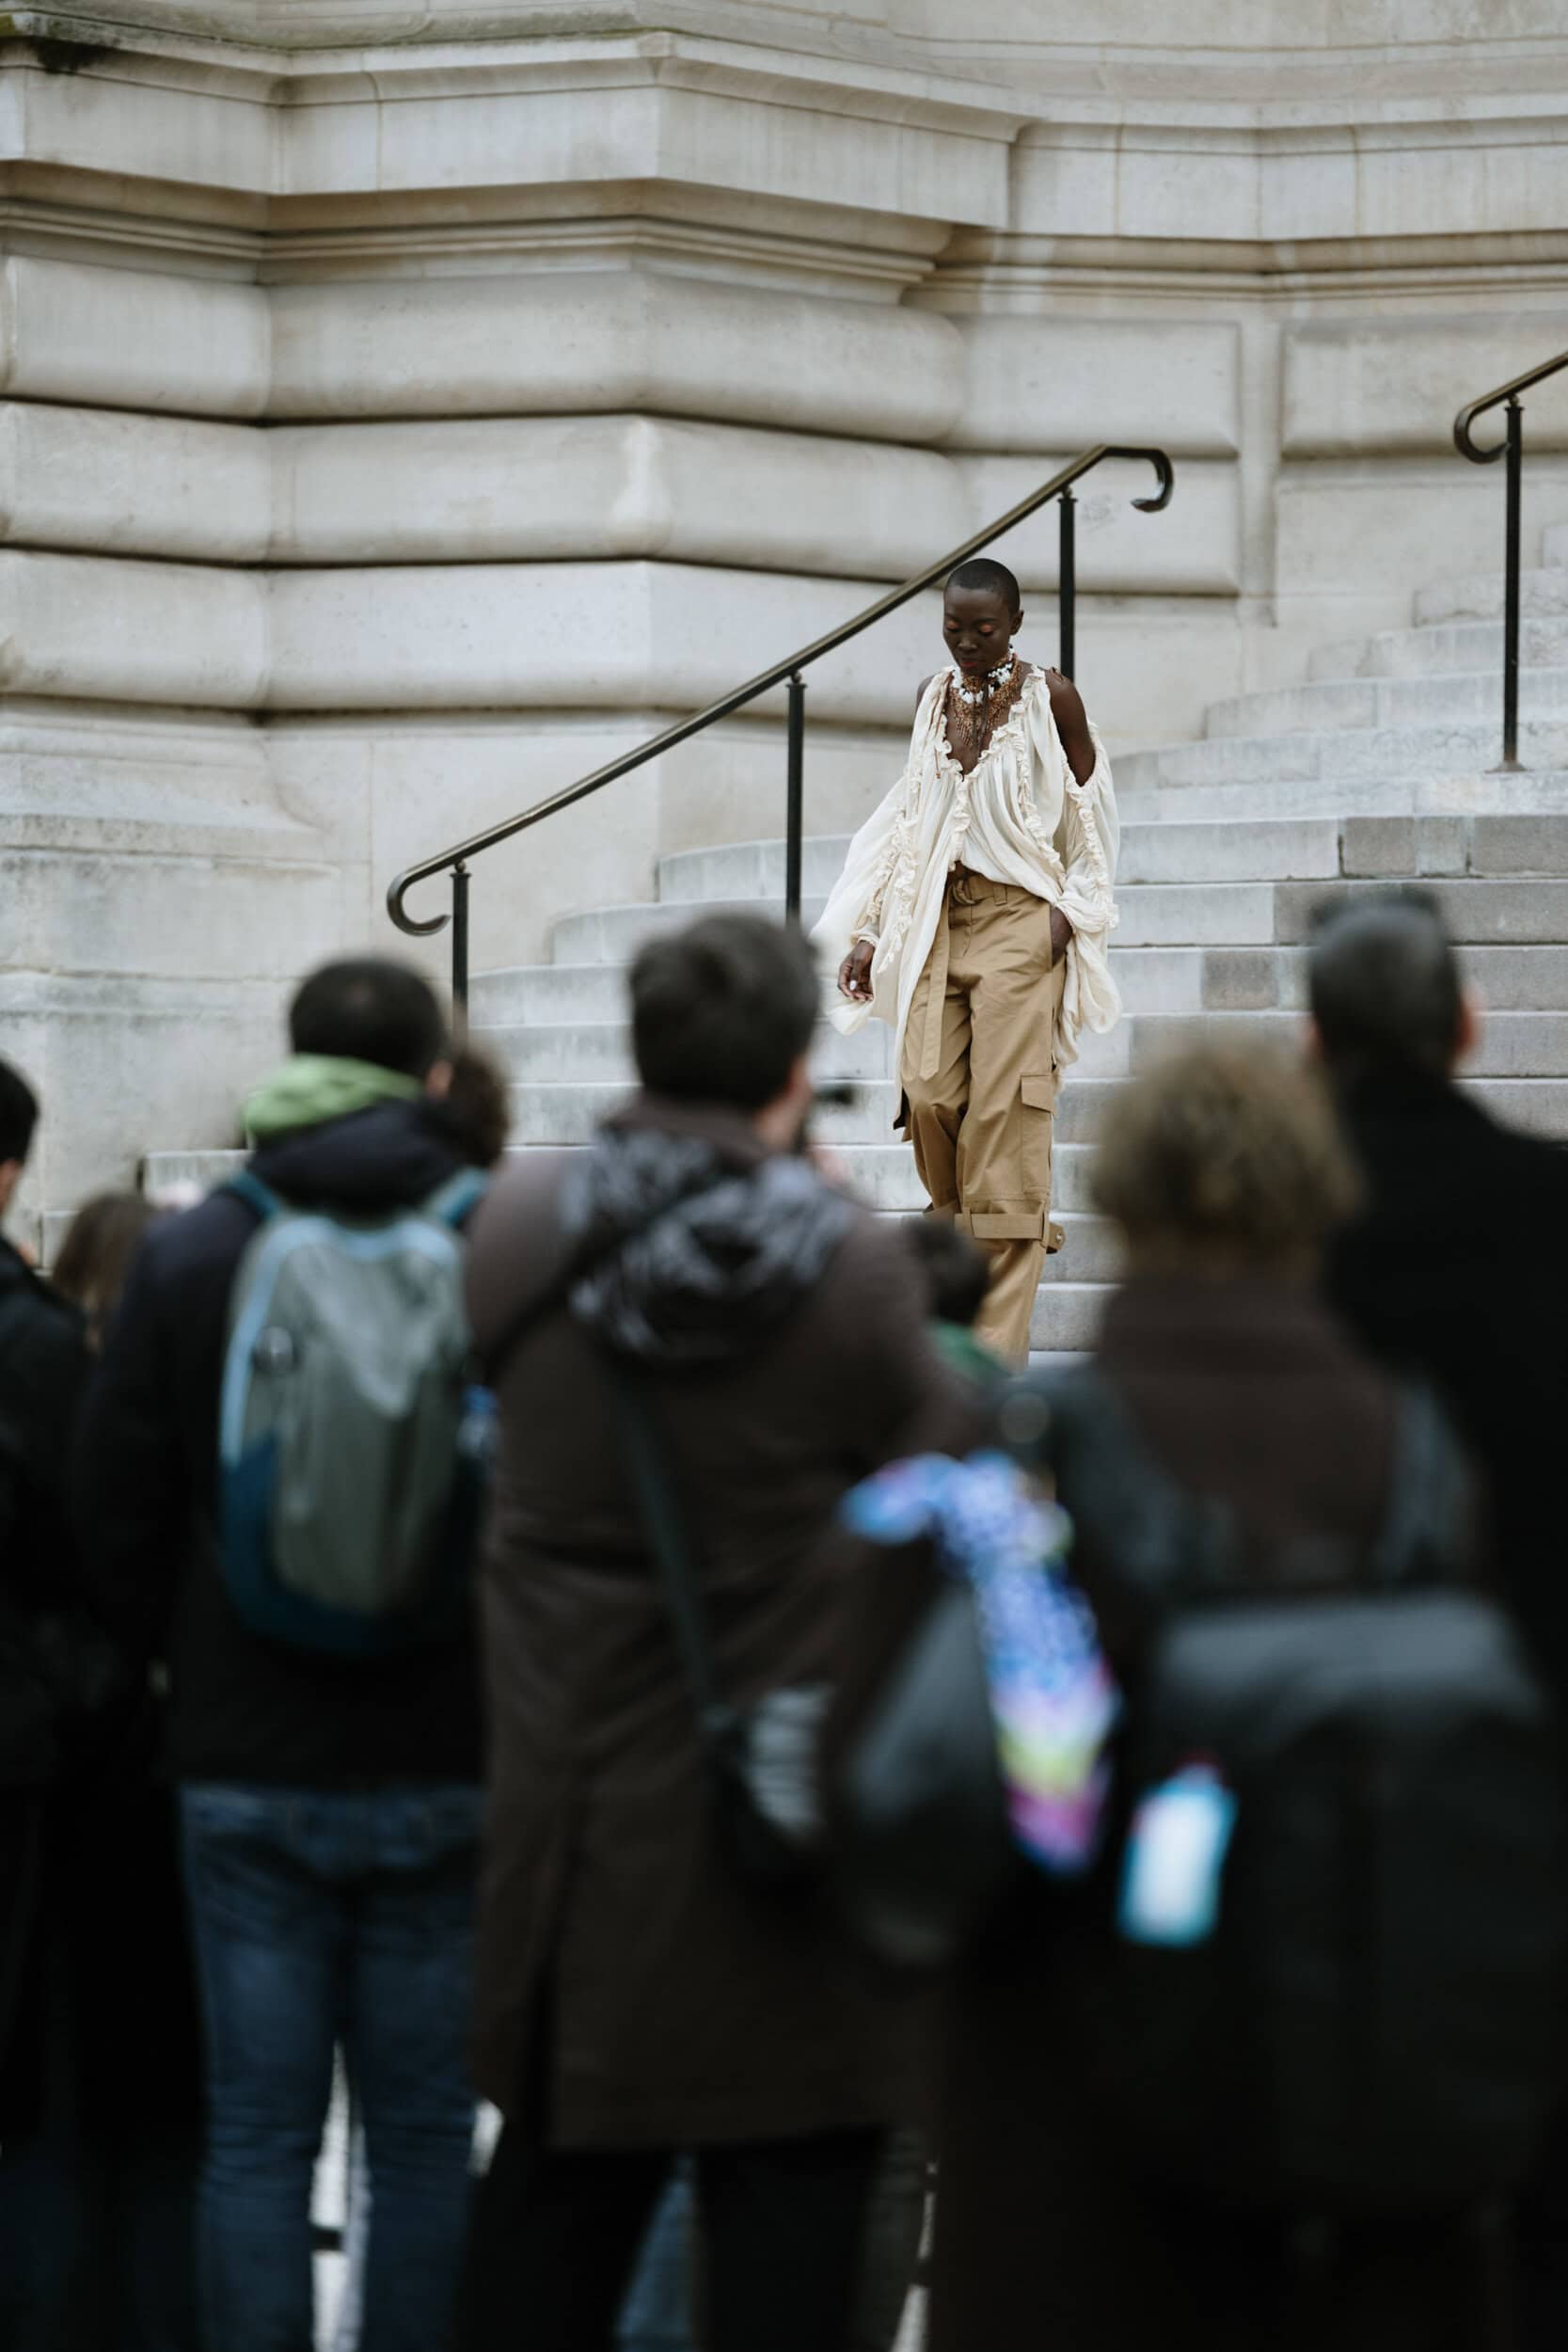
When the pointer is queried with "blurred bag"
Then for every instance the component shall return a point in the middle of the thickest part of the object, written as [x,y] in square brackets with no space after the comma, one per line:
[922,1844]
[988,1739]
[352,1439]
[761,1760]
[1337,1974]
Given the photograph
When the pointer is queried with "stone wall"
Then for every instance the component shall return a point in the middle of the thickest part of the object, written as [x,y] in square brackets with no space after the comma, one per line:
[408,407]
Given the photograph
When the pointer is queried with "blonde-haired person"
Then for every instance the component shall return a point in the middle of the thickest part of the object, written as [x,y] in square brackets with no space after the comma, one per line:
[1224,1172]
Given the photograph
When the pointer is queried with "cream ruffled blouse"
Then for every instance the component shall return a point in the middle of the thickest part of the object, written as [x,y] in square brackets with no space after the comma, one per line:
[1021,816]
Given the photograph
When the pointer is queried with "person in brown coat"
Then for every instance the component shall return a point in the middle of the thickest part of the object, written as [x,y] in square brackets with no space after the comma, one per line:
[1224,1172]
[636,1997]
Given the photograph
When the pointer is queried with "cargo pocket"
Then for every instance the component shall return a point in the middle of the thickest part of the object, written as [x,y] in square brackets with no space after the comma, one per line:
[1038,1121]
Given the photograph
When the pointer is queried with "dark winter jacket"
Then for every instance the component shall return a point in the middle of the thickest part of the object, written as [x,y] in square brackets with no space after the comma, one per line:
[42,1365]
[1250,1395]
[1457,1269]
[243,1708]
[97,2005]
[632,1989]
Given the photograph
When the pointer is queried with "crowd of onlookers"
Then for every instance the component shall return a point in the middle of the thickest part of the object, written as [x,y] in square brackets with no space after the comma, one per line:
[265,1810]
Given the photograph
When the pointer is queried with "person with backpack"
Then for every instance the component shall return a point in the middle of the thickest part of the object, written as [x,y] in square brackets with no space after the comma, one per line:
[277,1490]
[697,1344]
[1269,2070]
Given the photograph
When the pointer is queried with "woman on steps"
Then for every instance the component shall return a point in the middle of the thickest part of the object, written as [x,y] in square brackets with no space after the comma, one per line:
[974,913]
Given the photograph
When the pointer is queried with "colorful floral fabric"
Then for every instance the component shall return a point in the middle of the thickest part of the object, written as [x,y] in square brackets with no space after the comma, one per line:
[1054,1699]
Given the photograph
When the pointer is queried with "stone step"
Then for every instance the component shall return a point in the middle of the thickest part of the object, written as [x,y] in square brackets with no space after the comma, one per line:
[1497,911]
[1462,699]
[1150,978]
[1554,544]
[1154,915]
[1091,1252]
[1347,758]
[1479,596]
[1513,1044]
[547,1111]
[1067,1316]
[172,1175]
[614,935]
[1474,791]
[601,1050]
[1258,849]
[1261,850]
[547,991]
[1442,647]
[743,870]
[881,1174]
[1506,979]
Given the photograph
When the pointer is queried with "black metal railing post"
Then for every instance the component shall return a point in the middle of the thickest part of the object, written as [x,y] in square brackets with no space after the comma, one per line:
[795,798]
[1067,585]
[1510,585]
[1512,449]
[460,879]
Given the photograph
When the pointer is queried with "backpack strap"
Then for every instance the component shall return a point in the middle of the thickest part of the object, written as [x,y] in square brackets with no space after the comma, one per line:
[1429,1515]
[453,1203]
[249,1187]
[1164,1540]
[671,1539]
[1168,1543]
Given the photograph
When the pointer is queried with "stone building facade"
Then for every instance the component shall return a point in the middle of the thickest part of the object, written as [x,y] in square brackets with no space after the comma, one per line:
[404,407]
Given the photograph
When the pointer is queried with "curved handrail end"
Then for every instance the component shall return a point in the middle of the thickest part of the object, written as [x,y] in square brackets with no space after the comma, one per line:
[1463,442]
[396,890]
[1166,472]
[1509,392]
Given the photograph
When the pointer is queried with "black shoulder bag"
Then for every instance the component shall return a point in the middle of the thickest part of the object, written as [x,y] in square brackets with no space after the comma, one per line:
[760,1760]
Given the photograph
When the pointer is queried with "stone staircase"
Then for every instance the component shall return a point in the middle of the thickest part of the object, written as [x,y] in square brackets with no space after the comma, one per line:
[1381,767]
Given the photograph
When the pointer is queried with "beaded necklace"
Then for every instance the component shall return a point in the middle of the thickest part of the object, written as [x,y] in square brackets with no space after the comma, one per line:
[974,712]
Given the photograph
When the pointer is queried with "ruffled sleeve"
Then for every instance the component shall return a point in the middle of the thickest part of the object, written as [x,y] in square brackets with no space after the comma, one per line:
[874,896]
[1087,840]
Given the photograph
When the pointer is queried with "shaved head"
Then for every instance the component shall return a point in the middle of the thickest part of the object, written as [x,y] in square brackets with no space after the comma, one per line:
[994,580]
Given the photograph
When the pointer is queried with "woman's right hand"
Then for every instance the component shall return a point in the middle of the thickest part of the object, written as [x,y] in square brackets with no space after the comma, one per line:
[854,972]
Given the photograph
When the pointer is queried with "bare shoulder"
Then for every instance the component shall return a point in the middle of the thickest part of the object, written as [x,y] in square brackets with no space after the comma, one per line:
[925,685]
[1066,701]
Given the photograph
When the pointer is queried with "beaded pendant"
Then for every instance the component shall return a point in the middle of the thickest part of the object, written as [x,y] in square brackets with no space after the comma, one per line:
[974,712]
[993,683]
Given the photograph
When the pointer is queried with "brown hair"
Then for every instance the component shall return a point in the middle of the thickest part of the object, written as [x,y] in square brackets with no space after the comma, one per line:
[477,1106]
[1224,1158]
[95,1256]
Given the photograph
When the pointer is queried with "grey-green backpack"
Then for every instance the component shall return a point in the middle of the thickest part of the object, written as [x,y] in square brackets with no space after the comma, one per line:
[353,1441]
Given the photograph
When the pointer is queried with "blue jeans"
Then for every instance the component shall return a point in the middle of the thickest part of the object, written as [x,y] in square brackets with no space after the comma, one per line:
[323,1919]
[656,2313]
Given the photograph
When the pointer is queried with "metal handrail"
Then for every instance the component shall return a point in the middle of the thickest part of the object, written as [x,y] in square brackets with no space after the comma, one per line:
[1513,447]
[456,860]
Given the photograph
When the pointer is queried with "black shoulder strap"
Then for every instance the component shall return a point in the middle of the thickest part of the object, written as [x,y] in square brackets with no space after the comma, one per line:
[1429,1524]
[674,1553]
[1165,1541]
[1160,1539]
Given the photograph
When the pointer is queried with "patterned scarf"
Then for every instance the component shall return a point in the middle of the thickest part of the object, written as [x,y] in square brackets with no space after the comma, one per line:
[1053,1700]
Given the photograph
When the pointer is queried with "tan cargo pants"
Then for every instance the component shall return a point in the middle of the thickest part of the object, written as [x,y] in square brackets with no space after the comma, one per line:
[979,1079]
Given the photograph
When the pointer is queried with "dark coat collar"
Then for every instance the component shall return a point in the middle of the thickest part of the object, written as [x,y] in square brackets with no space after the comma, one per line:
[731,1132]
